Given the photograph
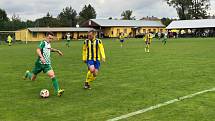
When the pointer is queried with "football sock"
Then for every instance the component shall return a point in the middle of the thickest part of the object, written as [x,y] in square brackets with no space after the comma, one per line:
[90,77]
[55,85]
[29,75]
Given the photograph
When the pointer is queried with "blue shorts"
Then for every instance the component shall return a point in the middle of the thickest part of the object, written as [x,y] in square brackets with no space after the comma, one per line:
[96,64]
[122,40]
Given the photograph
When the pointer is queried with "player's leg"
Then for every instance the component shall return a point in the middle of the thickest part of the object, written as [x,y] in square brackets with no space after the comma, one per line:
[57,89]
[90,74]
[33,74]
[148,47]
[165,41]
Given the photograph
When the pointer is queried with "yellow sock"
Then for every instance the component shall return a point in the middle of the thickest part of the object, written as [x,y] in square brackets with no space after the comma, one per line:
[90,77]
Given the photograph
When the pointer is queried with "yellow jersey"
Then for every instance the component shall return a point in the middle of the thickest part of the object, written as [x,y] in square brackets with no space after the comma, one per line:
[93,50]
[148,38]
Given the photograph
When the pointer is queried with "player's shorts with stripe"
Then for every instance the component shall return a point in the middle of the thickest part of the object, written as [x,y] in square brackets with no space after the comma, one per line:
[41,67]
[96,64]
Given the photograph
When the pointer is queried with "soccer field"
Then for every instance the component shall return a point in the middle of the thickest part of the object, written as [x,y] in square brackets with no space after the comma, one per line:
[129,80]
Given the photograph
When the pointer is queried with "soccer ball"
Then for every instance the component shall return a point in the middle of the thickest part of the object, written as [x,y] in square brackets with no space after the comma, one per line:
[44,93]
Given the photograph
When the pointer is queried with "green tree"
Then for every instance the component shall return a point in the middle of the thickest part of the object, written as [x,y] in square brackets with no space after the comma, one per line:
[127,15]
[199,8]
[166,21]
[3,15]
[88,12]
[68,17]
[189,9]
[47,21]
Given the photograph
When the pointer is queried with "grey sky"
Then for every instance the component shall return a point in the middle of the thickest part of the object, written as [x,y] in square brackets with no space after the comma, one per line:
[31,9]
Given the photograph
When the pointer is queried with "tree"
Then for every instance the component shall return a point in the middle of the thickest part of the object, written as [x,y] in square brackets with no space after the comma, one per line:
[3,15]
[126,15]
[88,12]
[67,17]
[199,8]
[47,21]
[166,21]
[189,9]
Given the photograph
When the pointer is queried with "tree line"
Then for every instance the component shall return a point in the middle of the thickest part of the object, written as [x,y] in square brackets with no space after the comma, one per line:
[68,17]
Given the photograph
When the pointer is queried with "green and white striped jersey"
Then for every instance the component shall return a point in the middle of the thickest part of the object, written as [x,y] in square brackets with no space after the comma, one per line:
[46,52]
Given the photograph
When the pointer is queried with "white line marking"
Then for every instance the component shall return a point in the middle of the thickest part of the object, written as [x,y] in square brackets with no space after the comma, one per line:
[160,105]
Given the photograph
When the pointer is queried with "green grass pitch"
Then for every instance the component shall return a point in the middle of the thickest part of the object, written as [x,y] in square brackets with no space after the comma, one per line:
[130,80]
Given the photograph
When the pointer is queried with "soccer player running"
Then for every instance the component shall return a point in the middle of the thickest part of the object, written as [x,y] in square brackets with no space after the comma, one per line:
[68,39]
[43,63]
[93,52]
[165,38]
[148,39]
[9,39]
[122,39]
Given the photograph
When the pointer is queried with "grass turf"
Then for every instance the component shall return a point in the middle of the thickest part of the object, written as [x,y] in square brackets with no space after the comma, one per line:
[129,80]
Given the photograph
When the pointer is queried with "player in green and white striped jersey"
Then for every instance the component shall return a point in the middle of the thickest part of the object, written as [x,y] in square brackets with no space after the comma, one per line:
[43,63]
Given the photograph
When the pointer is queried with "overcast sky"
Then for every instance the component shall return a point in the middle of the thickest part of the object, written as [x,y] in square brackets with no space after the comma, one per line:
[32,9]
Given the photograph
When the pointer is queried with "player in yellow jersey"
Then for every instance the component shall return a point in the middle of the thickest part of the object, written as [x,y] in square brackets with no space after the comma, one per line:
[122,39]
[93,52]
[9,39]
[148,39]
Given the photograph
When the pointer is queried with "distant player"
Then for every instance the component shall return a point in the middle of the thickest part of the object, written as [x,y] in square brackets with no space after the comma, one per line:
[93,52]
[68,39]
[159,35]
[165,38]
[9,40]
[148,39]
[43,63]
[122,39]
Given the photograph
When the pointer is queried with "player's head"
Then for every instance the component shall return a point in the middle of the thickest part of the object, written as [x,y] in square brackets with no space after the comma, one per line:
[49,36]
[91,34]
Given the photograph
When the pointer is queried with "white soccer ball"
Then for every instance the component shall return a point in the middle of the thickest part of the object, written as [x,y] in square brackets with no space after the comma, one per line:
[44,93]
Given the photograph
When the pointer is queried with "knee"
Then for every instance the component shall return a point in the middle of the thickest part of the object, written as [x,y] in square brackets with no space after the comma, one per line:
[92,70]
[52,75]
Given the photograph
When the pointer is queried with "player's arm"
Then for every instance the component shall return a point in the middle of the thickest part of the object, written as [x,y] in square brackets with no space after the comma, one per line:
[102,50]
[39,53]
[56,50]
[84,52]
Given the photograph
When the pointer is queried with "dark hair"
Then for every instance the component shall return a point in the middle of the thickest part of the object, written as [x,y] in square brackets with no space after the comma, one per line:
[49,33]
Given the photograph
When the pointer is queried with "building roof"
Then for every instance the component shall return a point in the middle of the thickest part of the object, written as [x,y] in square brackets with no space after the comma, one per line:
[59,29]
[127,23]
[192,24]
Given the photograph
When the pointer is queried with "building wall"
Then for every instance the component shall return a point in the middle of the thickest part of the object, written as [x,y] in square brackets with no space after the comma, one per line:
[114,31]
[150,29]
[25,35]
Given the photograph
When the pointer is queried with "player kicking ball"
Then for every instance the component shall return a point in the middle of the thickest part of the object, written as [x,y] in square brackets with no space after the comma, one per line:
[93,52]
[43,63]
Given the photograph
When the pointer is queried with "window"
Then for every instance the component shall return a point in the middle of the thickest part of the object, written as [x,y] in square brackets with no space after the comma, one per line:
[154,30]
[149,30]
[125,31]
[34,34]
[144,30]
[118,31]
